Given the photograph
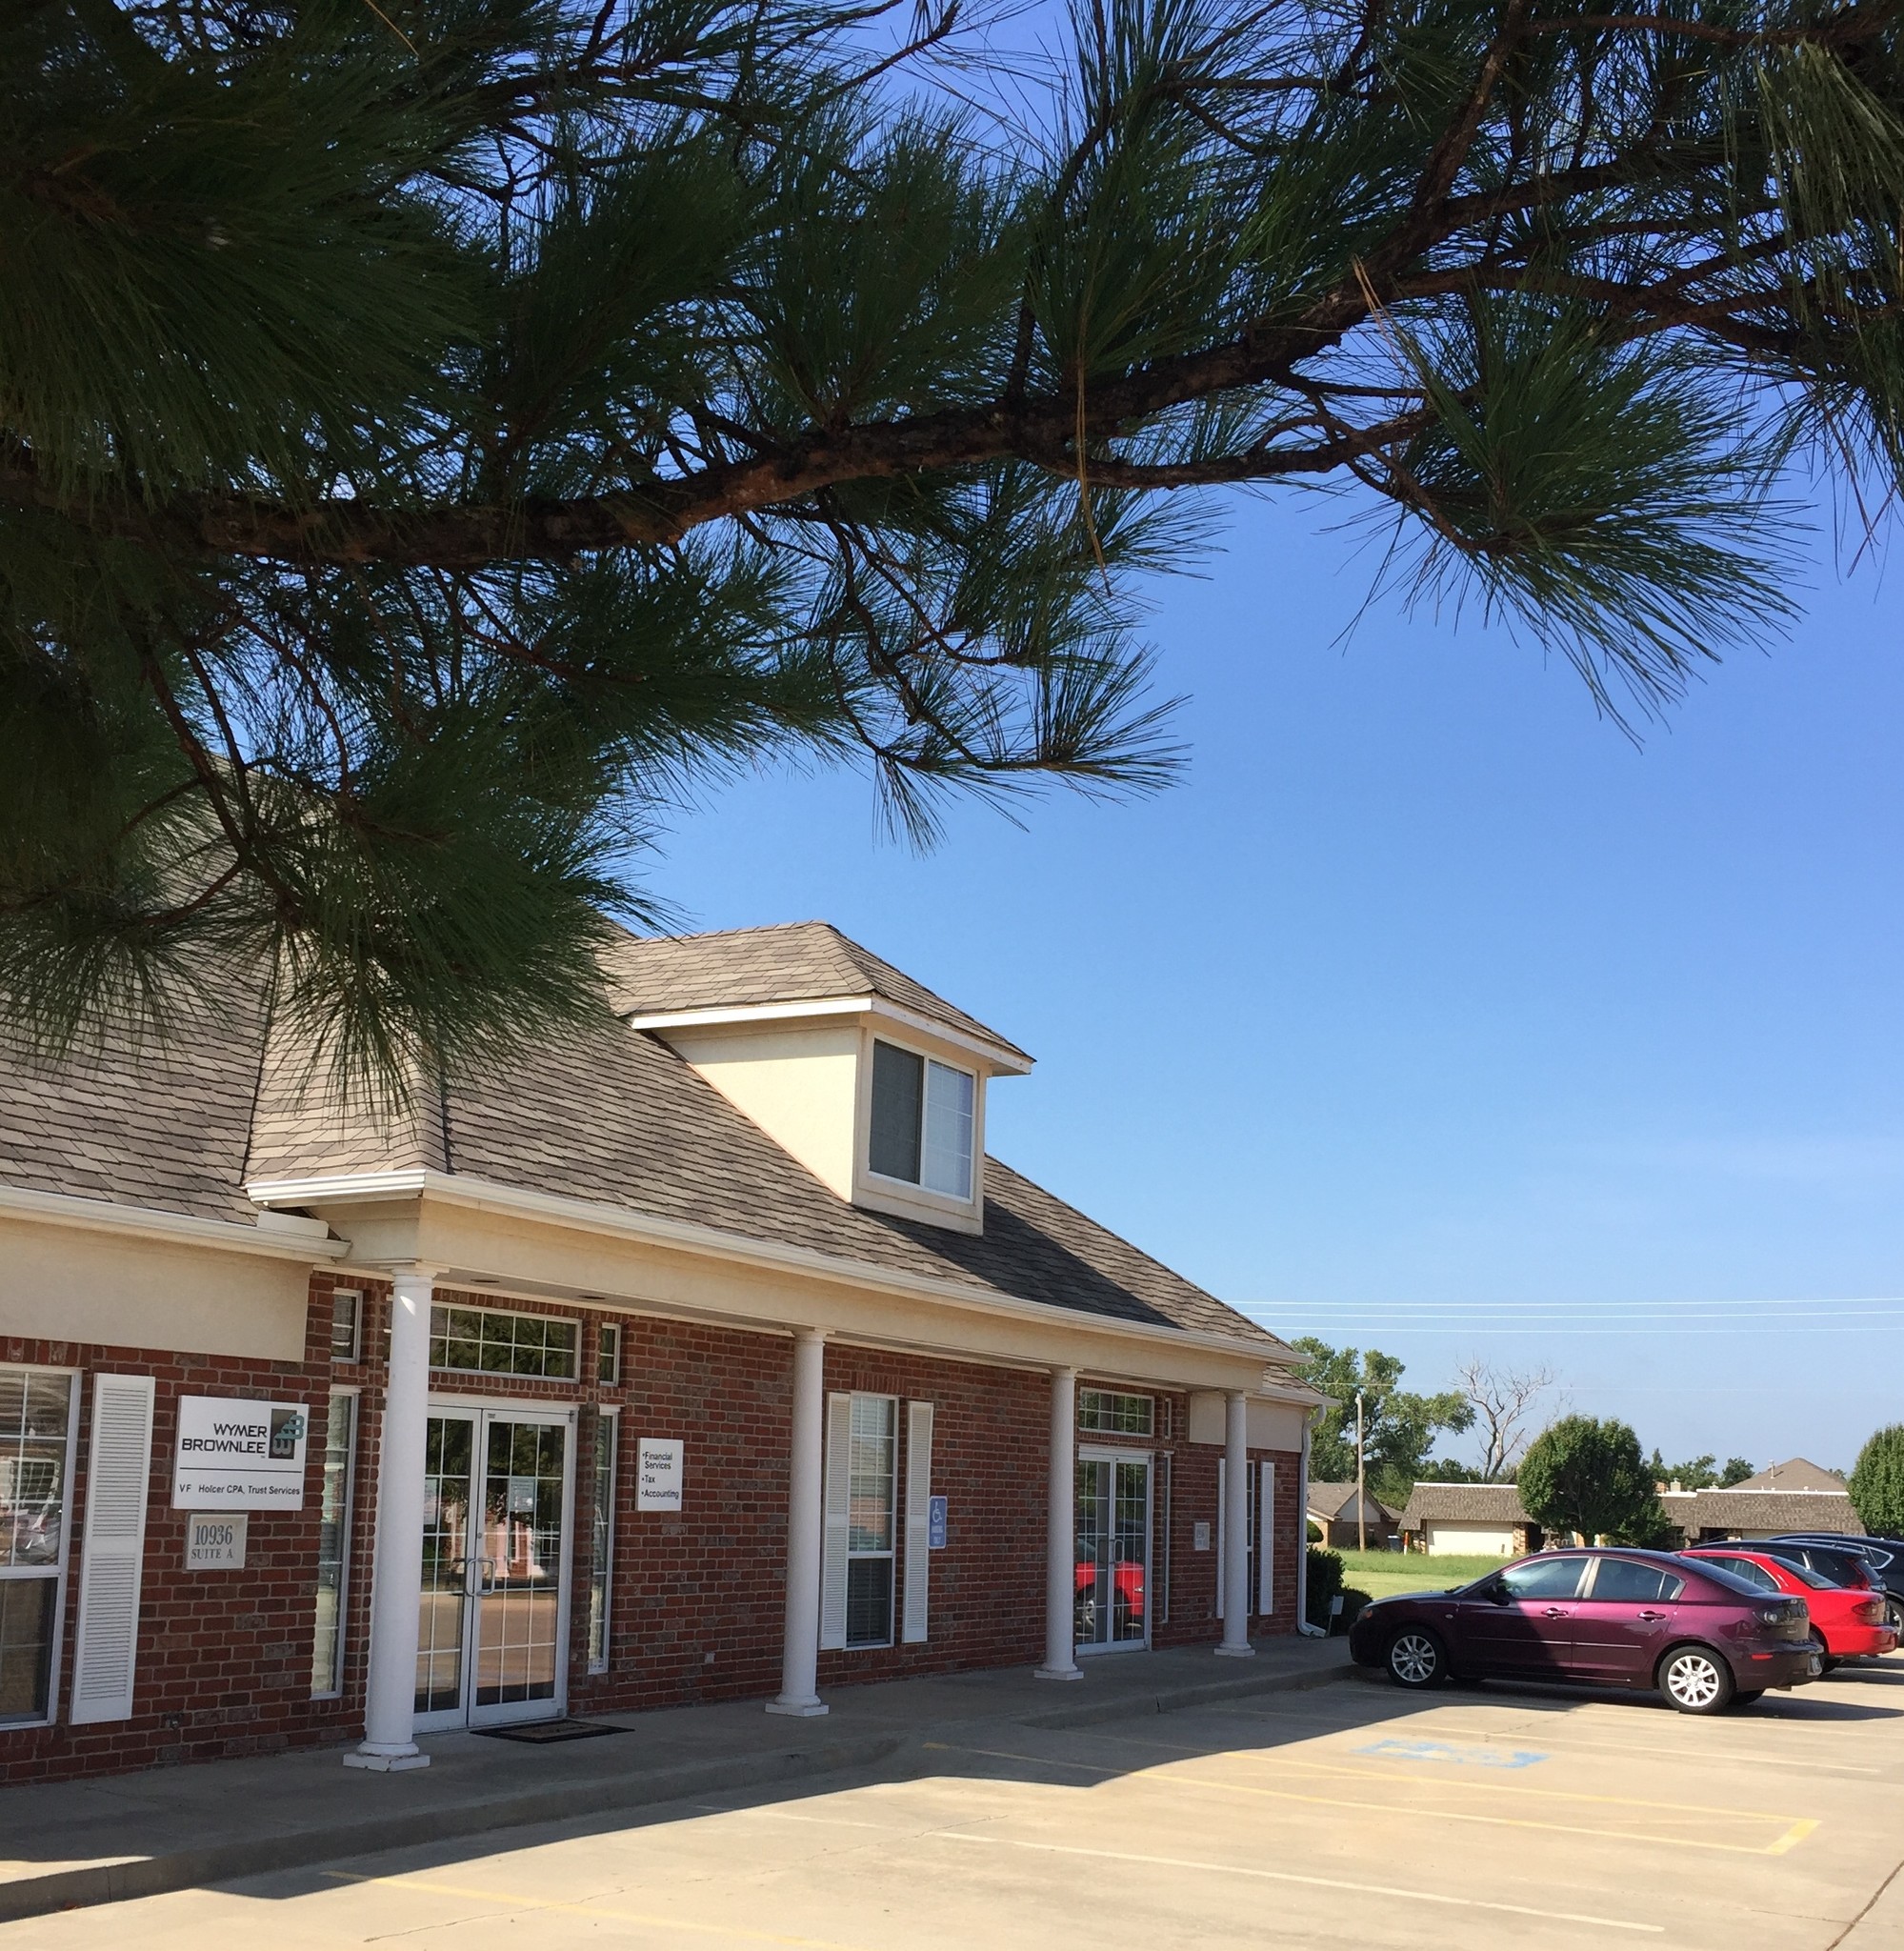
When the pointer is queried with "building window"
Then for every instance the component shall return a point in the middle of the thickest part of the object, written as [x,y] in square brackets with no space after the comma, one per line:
[601,1539]
[481,1340]
[608,1354]
[1105,1413]
[36,1408]
[334,1544]
[347,1324]
[872,1502]
[922,1121]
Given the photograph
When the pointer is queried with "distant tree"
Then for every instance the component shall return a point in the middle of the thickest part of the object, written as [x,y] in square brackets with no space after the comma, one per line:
[1878,1483]
[1447,1470]
[1399,1428]
[1588,1475]
[1701,1473]
[1503,1401]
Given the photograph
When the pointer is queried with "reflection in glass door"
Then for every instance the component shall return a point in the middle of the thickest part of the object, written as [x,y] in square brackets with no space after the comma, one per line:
[1112,1548]
[495,1566]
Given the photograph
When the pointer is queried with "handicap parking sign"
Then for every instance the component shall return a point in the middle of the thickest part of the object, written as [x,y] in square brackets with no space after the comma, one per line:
[935,1524]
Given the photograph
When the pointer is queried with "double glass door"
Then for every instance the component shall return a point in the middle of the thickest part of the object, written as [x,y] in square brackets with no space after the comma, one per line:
[493,1626]
[1112,1546]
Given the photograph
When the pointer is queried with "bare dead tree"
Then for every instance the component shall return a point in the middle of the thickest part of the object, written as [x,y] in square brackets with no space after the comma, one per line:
[1504,1400]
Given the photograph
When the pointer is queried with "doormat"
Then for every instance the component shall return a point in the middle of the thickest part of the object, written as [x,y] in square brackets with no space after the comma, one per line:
[542,1732]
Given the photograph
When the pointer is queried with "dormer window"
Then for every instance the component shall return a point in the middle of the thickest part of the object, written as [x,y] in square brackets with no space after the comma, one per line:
[922,1119]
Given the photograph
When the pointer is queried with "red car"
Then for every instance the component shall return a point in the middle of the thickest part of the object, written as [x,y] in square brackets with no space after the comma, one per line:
[1701,1635]
[1848,1622]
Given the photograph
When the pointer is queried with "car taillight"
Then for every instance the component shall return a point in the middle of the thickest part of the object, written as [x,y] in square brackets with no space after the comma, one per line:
[1774,1614]
[1870,1614]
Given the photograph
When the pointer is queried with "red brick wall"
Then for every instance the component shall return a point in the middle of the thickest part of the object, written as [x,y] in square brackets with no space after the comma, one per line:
[698,1599]
[223,1661]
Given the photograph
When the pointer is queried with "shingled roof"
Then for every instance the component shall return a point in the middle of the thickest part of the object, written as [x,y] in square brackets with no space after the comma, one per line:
[800,961]
[607,1113]
[1336,1502]
[1462,1504]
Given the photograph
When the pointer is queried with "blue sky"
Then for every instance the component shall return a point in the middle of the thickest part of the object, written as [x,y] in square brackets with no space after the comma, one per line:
[1427,1011]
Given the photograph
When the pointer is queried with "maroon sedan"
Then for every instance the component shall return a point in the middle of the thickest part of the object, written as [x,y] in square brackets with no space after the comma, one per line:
[1608,1618]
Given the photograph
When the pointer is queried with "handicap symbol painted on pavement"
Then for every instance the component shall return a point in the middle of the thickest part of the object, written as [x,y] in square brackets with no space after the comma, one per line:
[1463,1756]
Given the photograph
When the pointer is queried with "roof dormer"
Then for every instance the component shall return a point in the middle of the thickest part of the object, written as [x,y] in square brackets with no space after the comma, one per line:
[874,1083]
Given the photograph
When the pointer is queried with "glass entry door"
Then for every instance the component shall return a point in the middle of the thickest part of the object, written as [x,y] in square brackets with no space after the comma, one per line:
[1112,1546]
[493,1626]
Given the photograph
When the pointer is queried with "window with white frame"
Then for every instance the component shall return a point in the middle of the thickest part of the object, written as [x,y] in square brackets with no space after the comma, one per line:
[601,1538]
[871,1509]
[923,1114]
[1105,1411]
[608,1352]
[483,1340]
[37,1413]
[347,1324]
[334,1544]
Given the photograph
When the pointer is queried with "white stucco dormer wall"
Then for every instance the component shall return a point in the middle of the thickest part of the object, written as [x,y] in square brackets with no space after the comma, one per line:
[799,1082]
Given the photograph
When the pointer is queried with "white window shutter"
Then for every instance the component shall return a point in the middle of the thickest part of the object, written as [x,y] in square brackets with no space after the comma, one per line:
[1266,1541]
[1222,1507]
[118,1471]
[918,1518]
[839,1506]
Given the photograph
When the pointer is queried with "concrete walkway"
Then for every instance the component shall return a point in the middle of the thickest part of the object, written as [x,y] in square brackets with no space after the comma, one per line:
[96,1841]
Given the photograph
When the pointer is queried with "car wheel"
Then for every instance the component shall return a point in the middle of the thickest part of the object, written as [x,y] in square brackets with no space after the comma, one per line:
[1894,1615]
[1826,1663]
[1416,1658]
[1696,1680]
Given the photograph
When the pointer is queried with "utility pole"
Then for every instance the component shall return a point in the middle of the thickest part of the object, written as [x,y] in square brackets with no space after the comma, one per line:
[1361,1475]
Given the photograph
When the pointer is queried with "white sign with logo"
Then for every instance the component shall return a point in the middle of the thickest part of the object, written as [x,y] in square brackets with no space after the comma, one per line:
[657,1484]
[214,1541]
[237,1455]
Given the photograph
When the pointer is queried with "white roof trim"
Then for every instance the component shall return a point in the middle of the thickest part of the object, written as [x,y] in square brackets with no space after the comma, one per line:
[180,1229]
[1000,1055]
[591,1215]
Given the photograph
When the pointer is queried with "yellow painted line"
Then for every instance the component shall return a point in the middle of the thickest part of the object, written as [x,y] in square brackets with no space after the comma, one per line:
[1795,1834]
[1576,1747]
[1480,1787]
[1369,1808]
[1474,1785]
[513,1901]
[1177,1863]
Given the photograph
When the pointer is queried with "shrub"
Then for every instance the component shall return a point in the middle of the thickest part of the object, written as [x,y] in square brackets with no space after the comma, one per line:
[1325,1582]
[1315,1533]
[1352,1602]
[1878,1483]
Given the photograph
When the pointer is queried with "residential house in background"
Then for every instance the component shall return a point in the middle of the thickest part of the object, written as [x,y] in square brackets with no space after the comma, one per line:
[1332,1509]
[1487,1519]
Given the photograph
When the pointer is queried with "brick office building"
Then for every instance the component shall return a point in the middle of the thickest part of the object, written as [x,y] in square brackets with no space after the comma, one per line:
[706,1355]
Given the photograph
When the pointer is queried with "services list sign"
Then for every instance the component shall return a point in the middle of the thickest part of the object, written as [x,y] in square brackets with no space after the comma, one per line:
[236,1455]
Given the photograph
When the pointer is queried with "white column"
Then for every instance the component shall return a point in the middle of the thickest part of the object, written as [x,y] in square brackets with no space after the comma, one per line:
[1060,1546]
[396,1571]
[806,1524]
[1236,1528]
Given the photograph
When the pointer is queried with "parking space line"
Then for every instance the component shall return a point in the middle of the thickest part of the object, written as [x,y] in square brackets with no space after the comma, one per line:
[515,1902]
[1568,1745]
[1795,1834]
[1406,1896]
[1474,1786]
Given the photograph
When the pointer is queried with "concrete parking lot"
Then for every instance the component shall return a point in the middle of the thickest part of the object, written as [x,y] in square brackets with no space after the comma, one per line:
[1351,1814]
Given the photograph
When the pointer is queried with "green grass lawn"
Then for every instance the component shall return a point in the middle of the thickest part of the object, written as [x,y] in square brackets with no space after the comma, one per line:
[1381,1573]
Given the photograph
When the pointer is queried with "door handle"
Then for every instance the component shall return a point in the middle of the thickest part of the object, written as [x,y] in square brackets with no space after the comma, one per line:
[1649,1616]
[1555,1612]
